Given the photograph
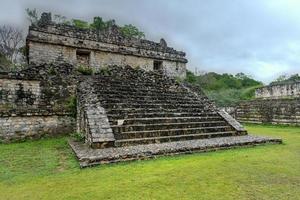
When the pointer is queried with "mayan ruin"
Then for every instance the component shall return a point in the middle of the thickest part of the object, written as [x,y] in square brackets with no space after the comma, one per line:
[149,100]
[276,104]
[131,107]
[100,49]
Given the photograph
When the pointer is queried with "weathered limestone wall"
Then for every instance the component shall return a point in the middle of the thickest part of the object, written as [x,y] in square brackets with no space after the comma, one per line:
[34,102]
[19,93]
[40,53]
[99,59]
[16,128]
[275,111]
[279,91]
[49,42]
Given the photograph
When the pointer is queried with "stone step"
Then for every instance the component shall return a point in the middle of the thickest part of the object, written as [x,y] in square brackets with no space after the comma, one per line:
[170,132]
[163,139]
[150,100]
[148,106]
[89,157]
[135,85]
[133,81]
[165,94]
[165,125]
[158,120]
[162,95]
[110,96]
[119,116]
[156,110]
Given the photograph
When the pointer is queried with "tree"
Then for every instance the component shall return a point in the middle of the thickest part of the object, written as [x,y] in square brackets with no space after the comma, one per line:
[98,23]
[294,77]
[110,23]
[282,78]
[132,31]
[80,23]
[32,15]
[4,63]
[11,40]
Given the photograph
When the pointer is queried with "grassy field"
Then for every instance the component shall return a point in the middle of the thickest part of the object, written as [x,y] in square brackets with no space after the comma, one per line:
[47,169]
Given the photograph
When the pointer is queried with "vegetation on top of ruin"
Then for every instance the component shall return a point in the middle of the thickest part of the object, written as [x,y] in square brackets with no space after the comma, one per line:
[4,63]
[225,89]
[98,23]
[286,79]
[84,70]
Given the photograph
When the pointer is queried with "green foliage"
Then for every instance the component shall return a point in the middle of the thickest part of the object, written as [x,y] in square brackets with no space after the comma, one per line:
[249,93]
[104,71]
[52,71]
[85,70]
[80,23]
[283,79]
[72,105]
[5,64]
[130,30]
[98,23]
[191,77]
[110,23]
[225,89]
[78,137]
[32,15]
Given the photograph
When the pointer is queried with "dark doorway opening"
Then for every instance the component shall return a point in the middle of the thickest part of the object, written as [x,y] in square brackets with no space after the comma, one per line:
[83,57]
[157,65]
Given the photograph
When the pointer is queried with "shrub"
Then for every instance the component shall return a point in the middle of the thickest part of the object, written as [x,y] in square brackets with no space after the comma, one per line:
[85,70]
[72,105]
[78,136]
[104,71]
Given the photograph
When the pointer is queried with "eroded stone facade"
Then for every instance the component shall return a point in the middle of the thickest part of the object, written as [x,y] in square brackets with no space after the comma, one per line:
[279,91]
[276,104]
[50,42]
[35,102]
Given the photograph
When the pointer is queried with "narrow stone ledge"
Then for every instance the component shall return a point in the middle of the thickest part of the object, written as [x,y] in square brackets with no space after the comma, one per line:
[90,157]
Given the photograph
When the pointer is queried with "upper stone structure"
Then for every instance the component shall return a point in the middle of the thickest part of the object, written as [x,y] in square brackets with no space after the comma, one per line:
[279,91]
[49,42]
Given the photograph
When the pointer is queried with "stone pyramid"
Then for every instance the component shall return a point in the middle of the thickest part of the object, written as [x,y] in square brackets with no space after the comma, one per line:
[128,114]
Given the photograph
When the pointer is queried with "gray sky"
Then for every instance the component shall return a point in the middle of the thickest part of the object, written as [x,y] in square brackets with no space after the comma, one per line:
[257,37]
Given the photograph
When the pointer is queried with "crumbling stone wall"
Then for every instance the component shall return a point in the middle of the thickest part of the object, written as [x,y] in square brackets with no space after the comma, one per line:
[276,104]
[35,102]
[15,92]
[279,91]
[16,128]
[275,111]
[50,42]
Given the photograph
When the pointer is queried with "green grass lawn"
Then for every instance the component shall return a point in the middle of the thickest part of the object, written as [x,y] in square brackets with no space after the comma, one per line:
[47,169]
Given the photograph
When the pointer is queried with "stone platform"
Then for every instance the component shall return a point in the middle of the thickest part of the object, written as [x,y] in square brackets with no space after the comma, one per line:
[90,157]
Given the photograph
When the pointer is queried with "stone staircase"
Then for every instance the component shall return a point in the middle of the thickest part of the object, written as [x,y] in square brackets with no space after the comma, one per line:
[129,114]
[148,107]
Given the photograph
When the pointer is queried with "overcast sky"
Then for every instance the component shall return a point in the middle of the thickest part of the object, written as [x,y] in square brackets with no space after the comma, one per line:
[258,37]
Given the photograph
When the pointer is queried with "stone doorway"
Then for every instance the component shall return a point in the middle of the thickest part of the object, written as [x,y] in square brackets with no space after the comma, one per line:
[157,65]
[83,57]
